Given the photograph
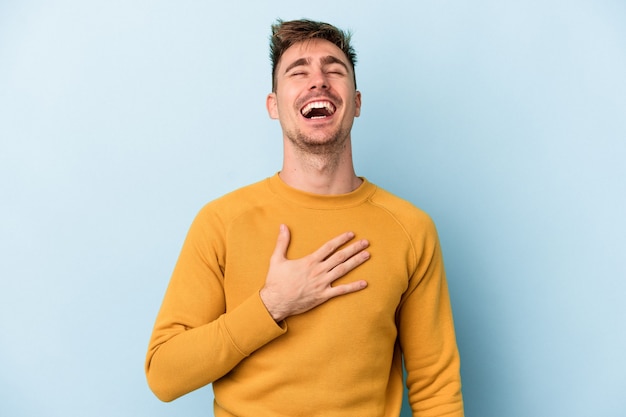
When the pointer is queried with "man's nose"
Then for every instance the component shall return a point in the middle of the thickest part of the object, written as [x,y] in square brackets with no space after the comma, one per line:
[319,80]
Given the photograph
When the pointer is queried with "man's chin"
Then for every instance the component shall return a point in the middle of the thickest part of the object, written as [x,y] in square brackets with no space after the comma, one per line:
[319,145]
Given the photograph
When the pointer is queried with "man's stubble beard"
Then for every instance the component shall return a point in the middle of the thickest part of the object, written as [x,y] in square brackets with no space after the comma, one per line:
[320,154]
[329,147]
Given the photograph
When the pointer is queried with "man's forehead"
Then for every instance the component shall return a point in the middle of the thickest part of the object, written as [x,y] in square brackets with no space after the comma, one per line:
[313,50]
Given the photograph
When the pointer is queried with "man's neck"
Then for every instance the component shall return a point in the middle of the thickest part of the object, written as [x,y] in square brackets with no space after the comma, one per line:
[320,174]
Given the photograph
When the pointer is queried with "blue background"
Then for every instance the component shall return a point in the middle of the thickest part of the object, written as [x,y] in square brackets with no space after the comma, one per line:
[505,120]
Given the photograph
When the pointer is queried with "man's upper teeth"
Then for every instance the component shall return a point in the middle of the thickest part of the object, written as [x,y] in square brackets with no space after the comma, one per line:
[318,105]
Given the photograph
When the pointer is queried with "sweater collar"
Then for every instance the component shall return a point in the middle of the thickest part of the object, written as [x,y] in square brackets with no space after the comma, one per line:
[321,201]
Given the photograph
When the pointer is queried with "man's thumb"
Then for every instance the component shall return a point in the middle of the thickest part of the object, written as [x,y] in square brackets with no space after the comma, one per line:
[282,242]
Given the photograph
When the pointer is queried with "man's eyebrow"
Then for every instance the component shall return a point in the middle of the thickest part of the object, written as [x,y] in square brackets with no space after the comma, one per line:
[330,59]
[297,63]
[327,60]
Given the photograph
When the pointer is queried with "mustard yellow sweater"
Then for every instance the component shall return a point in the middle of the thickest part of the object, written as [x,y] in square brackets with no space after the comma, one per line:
[343,358]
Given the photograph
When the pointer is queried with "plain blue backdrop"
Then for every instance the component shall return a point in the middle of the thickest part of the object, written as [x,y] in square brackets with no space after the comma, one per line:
[505,120]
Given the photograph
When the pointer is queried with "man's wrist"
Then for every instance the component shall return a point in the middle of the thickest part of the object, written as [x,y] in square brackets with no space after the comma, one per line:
[266,298]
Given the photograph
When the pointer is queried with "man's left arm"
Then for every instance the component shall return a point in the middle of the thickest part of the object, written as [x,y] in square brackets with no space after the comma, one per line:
[427,336]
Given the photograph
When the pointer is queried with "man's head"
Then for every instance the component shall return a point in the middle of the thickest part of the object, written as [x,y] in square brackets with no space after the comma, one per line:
[286,34]
[314,95]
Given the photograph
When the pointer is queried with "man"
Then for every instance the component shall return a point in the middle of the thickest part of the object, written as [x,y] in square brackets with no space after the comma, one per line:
[317,322]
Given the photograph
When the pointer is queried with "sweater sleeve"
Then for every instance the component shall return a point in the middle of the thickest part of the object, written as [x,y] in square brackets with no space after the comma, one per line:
[195,341]
[427,335]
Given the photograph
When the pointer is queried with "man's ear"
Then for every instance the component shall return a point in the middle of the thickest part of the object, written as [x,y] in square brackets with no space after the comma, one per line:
[272,106]
[357,103]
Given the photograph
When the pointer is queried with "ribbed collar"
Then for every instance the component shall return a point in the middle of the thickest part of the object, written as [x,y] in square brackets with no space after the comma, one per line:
[321,201]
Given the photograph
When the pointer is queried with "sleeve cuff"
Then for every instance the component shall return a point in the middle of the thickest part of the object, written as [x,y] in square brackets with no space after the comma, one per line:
[250,326]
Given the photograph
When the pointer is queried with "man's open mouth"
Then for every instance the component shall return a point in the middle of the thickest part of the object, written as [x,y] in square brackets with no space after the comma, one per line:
[318,110]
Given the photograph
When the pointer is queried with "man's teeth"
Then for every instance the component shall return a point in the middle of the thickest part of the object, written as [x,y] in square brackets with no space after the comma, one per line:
[327,109]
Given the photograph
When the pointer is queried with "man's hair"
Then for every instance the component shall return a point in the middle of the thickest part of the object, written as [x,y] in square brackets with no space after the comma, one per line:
[285,34]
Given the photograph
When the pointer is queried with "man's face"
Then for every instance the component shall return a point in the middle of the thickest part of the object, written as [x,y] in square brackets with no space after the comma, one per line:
[315,99]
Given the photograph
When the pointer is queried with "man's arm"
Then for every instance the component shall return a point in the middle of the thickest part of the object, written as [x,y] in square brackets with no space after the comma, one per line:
[195,341]
[427,336]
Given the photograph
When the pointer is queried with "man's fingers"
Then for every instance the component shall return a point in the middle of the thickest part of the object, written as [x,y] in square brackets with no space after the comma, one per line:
[346,260]
[282,243]
[330,247]
[346,288]
[351,256]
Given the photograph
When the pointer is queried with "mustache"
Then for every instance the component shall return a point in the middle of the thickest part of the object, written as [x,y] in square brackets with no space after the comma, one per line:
[319,96]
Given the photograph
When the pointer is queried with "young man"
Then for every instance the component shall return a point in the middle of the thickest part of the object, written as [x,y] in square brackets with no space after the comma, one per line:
[317,321]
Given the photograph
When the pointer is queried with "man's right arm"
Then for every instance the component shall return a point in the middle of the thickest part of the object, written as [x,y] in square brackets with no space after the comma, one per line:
[195,342]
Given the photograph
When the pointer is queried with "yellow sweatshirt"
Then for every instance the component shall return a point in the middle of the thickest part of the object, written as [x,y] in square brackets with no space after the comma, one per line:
[343,358]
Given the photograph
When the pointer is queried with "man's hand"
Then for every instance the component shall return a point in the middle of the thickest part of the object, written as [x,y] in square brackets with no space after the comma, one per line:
[296,286]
